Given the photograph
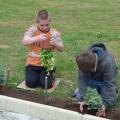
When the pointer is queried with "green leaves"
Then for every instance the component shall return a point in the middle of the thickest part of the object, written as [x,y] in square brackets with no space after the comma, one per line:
[3,75]
[93,99]
[47,59]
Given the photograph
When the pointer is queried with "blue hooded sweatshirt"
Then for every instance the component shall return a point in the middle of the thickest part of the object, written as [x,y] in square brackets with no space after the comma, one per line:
[106,72]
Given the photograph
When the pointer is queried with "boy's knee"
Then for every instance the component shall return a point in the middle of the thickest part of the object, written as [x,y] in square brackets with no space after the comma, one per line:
[49,85]
[29,84]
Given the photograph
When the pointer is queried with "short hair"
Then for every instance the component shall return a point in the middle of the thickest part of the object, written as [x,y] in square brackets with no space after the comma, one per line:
[43,15]
[86,62]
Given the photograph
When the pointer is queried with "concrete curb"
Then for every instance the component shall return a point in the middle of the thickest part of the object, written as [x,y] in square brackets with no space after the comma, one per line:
[41,111]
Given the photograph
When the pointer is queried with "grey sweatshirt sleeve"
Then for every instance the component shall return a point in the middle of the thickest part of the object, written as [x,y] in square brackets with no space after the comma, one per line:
[83,83]
[109,77]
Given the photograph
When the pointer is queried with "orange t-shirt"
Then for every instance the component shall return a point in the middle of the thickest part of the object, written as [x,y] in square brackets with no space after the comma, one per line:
[33,57]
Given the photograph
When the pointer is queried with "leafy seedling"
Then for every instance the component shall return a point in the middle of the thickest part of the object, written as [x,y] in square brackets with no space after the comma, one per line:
[93,99]
[48,59]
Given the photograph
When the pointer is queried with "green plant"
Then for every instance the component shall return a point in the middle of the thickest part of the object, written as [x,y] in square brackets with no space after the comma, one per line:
[3,75]
[48,59]
[93,99]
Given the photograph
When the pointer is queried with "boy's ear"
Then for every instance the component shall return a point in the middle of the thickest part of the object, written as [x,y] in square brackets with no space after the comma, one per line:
[50,20]
[37,21]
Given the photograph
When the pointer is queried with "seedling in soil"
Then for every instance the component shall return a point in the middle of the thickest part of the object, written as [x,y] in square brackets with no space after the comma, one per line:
[4,73]
[93,99]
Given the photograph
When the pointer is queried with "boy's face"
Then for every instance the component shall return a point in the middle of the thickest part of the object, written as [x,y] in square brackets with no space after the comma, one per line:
[44,25]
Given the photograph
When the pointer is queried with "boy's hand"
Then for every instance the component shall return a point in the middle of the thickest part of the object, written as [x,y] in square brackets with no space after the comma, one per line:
[53,42]
[56,42]
[81,105]
[41,37]
[55,34]
[101,111]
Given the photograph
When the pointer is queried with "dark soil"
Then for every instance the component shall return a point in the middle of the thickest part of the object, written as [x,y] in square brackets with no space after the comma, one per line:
[35,97]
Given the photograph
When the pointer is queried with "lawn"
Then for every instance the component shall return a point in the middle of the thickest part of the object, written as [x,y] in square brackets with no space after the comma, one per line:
[81,22]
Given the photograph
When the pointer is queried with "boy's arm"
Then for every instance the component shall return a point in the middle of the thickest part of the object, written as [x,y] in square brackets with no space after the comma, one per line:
[29,37]
[109,88]
[27,40]
[56,40]
[83,82]
[82,85]
[109,91]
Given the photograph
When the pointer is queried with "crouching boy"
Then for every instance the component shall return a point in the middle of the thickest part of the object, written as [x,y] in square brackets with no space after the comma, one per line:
[97,69]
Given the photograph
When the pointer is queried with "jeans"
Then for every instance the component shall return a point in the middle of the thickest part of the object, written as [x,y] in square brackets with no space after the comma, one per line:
[35,76]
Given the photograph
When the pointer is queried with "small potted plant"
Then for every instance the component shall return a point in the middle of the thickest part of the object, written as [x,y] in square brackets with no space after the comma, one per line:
[93,100]
[3,77]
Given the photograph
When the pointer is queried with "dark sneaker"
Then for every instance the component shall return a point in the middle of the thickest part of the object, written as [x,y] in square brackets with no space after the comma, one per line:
[72,94]
[72,100]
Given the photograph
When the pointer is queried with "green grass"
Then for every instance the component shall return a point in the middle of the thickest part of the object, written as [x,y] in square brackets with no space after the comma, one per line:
[81,22]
